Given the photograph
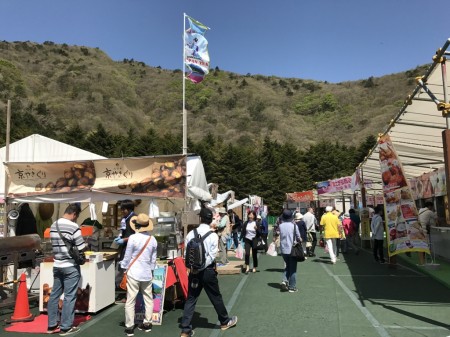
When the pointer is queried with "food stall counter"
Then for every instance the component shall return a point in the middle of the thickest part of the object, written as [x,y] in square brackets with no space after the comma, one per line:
[96,289]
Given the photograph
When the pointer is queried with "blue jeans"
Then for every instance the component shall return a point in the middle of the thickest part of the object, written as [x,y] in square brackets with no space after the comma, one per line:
[65,280]
[290,271]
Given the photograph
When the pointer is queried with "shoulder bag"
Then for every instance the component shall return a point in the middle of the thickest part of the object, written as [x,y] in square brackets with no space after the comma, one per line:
[123,283]
[75,254]
[297,250]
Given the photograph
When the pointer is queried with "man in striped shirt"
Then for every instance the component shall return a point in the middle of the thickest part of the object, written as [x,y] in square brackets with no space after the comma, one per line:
[66,273]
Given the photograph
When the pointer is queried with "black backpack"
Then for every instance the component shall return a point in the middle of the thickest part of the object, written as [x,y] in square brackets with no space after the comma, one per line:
[195,252]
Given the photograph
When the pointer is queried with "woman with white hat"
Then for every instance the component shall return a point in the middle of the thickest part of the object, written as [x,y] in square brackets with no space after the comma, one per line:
[139,262]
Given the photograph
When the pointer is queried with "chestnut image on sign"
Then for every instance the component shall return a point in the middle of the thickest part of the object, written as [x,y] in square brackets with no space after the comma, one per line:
[77,177]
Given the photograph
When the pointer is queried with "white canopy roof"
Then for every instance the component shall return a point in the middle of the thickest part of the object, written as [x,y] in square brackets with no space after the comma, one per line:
[37,148]
[416,131]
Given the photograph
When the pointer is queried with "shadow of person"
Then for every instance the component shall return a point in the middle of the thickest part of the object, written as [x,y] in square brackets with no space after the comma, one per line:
[200,322]
[276,270]
[322,260]
[277,286]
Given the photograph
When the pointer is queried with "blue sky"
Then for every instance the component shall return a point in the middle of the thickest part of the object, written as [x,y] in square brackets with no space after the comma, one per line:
[328,40]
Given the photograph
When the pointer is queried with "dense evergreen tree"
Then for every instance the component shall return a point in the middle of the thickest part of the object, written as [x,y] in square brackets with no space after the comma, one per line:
[100,142]
[75,136]
[270,171]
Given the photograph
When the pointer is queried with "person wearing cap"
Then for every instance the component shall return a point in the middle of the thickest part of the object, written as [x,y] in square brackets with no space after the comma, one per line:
[249,232]
[223,231]
[287,229]
[377,227]
[205,279]
[350,234]
[139,261]
[330,225]
[66,273]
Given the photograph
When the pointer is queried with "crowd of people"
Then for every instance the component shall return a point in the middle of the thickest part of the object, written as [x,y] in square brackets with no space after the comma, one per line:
[219,230]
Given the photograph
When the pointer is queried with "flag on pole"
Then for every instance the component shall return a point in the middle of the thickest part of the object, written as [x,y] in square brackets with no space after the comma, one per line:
[196,51]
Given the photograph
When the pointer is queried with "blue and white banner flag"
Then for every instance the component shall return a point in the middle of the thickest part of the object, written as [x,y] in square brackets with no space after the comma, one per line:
[196,51]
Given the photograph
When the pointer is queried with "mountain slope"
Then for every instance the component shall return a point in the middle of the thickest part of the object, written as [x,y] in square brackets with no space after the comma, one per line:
[63,85]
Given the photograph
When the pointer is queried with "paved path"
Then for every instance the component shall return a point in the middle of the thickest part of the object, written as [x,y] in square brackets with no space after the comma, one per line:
[355,297]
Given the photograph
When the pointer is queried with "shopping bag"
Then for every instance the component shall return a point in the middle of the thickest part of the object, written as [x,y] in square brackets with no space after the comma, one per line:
[239,252]
[272,250]
[259,244]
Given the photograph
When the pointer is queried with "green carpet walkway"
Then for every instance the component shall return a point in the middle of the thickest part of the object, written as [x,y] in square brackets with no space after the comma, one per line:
[356,297]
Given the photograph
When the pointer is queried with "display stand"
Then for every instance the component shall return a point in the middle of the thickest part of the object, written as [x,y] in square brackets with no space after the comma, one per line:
[159,291]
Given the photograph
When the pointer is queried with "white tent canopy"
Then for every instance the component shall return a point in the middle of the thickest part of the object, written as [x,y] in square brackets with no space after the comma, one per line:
[37,148]
[416,131]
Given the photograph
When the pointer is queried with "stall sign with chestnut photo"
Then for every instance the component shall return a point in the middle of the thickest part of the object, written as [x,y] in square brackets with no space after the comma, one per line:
[156,176]
[45,178]
[404,233]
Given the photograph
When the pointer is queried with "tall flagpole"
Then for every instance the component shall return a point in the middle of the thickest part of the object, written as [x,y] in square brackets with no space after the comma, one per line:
[184,88]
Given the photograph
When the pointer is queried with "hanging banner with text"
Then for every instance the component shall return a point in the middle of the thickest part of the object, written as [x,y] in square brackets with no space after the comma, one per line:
[404,233]
[157,177]
[45,178]
[306,196]
[336,185]
[147,176]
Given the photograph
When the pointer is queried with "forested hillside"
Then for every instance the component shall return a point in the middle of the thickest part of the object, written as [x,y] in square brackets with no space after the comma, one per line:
[256,134]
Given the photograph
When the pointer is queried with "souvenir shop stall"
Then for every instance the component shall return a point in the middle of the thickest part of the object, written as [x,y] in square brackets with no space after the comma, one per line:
[254,203]
[348,192]
[301,200]
[163,187]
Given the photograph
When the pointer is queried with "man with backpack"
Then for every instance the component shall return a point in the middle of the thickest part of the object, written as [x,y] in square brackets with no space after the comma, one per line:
[201,250]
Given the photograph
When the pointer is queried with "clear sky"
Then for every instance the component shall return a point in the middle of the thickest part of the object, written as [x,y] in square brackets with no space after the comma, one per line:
[328,40]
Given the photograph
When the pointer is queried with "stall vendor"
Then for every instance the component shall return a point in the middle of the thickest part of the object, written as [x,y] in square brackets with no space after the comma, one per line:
[127,209]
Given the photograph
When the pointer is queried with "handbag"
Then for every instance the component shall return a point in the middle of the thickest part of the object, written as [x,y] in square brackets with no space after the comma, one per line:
[309,241]
[75,254]
[322,243]
[123,283]
[259,243]
[297,250]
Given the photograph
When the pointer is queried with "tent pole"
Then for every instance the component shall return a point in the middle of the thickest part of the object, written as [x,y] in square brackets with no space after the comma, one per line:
[8,134]
[184,87]
[3,270]
[444,85]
